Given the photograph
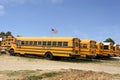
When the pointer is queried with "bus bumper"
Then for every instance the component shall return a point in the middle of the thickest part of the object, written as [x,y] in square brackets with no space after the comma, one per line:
[74,55]
[91,56]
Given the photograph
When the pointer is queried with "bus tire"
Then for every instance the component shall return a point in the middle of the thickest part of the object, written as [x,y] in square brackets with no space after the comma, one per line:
[49,56]
[109,56]
[11,52]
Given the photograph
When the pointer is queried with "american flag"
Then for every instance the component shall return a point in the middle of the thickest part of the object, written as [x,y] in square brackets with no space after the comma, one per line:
[54,31]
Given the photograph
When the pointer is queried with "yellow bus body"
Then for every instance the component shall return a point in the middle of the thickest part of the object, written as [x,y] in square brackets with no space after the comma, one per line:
[119,51]
[116,50]
[56,46]
[7,41]
[88,48]
[99,49]
[108,49]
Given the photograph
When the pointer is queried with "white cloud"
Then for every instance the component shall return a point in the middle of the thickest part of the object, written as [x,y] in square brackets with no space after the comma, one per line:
[2,12]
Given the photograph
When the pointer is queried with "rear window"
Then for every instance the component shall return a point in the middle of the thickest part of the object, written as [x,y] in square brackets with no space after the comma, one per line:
[106,47]
[84,45]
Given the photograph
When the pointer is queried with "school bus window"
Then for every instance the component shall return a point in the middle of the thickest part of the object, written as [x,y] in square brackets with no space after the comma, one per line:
[26,42]
[22,43]
[65,43]
[31,42]
[114,48]
[39,43]
[35,42]
[49,43]
[105,47]
[59,43]
[18,41]
[44,43]
[76,44]
[84,45]
[117,48]
[96,47]
[54,43]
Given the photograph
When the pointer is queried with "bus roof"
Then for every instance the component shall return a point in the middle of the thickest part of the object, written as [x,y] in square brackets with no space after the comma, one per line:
[0,39]
[44,38]
[116,45]
[107,43]
[99,43]
[87,41]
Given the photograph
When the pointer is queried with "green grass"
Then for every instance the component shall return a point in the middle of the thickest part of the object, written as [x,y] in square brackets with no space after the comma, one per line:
[16,73]
[116,77]
[42,76]
[12,73]
[33,77]
[80,60]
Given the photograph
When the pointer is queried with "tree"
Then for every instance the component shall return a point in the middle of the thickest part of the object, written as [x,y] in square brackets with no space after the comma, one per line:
[19,36]
[2,34]
[109,40]
[8,33]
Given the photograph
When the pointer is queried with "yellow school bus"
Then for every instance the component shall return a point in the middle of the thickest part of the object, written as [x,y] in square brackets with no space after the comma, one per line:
[99,49]
[108,49]
[116,50]
[7,41]
[119,51]
[88,48]
[49,47]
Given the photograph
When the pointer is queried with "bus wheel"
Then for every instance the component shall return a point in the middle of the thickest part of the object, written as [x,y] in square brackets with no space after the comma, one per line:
[11,52]
[49,56]
[109,56]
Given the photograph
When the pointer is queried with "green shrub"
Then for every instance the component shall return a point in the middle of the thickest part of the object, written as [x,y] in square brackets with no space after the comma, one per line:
[33,77]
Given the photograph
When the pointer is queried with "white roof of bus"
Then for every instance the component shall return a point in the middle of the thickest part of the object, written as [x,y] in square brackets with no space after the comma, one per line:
[115,44]
[107,43]
[0,39]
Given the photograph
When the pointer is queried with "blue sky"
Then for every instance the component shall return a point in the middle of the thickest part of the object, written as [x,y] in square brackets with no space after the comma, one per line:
[85,19]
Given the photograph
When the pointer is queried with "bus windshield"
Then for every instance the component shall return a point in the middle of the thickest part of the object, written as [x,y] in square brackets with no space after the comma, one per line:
[92,45]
